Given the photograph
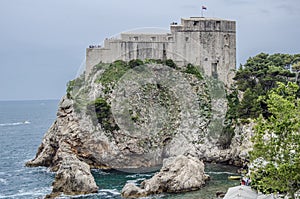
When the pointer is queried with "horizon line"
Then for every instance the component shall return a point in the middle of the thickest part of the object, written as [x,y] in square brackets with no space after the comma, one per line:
[18,100]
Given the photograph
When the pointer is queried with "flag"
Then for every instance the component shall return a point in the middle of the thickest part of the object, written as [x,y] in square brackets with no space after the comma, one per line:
[204,8]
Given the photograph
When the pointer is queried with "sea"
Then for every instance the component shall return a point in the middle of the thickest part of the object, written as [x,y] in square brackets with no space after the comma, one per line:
[22,127]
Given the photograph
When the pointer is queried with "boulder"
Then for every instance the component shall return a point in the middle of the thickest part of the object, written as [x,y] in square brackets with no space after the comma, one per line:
[130,190]
[73,178]
[178,174]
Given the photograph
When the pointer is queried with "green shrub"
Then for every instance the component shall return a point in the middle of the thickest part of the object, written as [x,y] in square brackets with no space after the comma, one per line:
[191,69]
[158,61]
[74,85]
[113,73]
[100,112]
[170,63]
[135,62]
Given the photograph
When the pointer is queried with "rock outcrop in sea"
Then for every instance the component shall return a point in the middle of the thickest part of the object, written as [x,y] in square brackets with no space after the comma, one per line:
[73,178]
[132,117]
[178,174]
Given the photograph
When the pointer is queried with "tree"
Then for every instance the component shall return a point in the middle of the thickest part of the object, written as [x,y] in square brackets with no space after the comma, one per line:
[276,150]
[249,107]
[296,67]
[258,76]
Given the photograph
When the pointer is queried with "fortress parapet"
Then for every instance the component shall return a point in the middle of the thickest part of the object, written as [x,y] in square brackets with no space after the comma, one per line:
[196,24]
[208,43]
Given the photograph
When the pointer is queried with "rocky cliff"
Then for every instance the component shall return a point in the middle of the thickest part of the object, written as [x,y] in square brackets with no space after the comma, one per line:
[132,116]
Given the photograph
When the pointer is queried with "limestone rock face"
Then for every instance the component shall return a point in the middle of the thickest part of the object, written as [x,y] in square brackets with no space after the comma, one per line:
[134,123]
[60,151]
[73,178]
[178,174]
[236,154]
[241,144]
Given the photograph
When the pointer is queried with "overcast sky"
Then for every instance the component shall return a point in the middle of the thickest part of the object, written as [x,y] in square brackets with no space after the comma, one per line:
[42,42]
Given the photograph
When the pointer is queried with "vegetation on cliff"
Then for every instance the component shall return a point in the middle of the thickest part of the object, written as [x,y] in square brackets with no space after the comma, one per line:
[117,69]
[95,95]
[100,112]
[112,74]
[73,86]
[191,69]
[231,118]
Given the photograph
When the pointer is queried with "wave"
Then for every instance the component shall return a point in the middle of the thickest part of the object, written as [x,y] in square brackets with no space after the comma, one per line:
[111,191]
[136,181]
[16,123]
[37,193]
[106,193]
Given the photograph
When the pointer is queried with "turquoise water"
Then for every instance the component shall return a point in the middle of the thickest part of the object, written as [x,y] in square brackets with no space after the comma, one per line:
[22,126]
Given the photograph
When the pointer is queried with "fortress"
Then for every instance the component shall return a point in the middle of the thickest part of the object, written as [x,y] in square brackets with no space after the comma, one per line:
[208,43]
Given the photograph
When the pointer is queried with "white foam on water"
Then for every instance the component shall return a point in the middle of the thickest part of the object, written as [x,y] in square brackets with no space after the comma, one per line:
[76,196]
[15,123]
[135,181]
[112,191]
[139,175]
[100,172]
[20,170]
[29,194]
[3,181]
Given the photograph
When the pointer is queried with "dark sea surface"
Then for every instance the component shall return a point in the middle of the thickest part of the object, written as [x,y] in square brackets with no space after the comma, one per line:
[22,126]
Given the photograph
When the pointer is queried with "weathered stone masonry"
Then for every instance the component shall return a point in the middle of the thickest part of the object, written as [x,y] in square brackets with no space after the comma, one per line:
[209,43]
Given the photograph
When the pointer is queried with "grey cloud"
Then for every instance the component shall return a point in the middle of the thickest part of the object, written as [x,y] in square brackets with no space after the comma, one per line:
[287,9]
[43,42]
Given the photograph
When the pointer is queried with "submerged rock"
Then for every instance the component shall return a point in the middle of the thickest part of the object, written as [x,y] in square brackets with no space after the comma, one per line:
[178,174]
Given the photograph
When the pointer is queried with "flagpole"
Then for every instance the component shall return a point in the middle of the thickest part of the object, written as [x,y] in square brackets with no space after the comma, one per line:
[202,12]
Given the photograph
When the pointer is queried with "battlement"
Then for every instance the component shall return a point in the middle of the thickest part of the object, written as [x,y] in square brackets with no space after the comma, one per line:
[204,25]
[209,43]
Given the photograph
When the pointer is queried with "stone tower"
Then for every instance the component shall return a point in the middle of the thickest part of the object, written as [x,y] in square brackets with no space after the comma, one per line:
[208,43]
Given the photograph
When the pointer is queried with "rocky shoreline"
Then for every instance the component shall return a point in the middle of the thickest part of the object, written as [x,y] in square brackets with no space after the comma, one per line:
[74,144]
[64,149]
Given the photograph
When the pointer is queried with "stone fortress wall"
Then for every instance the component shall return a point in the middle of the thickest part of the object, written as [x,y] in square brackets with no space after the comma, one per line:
[208,43]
